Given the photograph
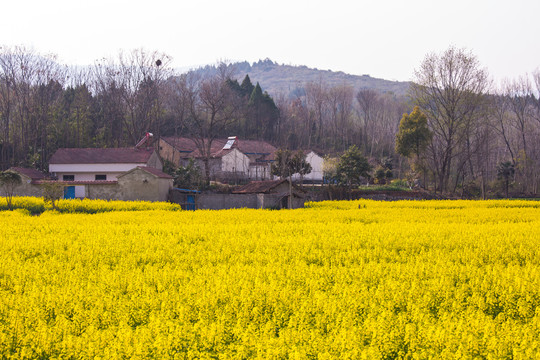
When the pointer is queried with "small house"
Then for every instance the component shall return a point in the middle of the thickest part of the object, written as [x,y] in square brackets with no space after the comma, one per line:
[274,194]
[78,167]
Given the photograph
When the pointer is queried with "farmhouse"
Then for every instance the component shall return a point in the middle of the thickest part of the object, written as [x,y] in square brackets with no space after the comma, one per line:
[230,159]
[90,166]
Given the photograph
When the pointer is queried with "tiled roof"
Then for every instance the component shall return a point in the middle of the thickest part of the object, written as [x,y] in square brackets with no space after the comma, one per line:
[155,172]
[248,147]
[255,147]
[259,186]
[101,156]
[31,173]
[180,143]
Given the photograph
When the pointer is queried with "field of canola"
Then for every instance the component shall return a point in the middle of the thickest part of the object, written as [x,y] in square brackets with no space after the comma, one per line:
[336,280]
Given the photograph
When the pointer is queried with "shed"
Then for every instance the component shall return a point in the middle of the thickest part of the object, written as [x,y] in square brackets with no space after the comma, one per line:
[186,198]
[274,193]
[29,178]
[145,183]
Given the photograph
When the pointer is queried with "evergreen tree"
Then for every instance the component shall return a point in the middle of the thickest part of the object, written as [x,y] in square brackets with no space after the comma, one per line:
[413,138]
[247,86]
[352,167]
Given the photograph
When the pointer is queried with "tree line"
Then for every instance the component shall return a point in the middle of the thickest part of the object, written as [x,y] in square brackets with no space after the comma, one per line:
[472,125]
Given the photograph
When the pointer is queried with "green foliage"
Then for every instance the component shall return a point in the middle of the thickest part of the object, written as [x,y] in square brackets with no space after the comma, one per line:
[247,87]
[413,135]
[168,167]
[9,181]
[288,163]
[383,172]
[352,167]
[189,176]
[330,169]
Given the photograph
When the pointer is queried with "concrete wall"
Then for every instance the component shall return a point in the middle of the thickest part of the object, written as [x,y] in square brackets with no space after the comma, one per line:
[168,152]
[140,185]
[226,201]
[103,192]
[155,161]
[237,201]
[25,189]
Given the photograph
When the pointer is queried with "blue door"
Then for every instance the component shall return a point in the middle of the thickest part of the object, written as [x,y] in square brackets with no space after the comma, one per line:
[69,192]
[190,202]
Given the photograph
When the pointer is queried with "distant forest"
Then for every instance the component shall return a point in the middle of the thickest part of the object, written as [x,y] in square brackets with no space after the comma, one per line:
[478,132]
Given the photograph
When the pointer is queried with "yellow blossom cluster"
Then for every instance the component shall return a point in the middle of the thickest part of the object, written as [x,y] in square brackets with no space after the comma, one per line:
[335,280]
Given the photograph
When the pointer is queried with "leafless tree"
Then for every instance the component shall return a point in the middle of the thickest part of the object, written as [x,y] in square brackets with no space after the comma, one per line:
[211,107]
[450,90]
[30,85]
[317,103]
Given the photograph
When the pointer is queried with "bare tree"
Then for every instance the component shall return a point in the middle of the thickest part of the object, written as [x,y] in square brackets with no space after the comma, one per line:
[367,113]
[317,103]
[212,107]
[450,90]
[341,111]
[132,86]
[31,85]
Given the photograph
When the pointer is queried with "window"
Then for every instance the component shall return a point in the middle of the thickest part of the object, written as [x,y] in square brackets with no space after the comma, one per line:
[101,177]
[68,177]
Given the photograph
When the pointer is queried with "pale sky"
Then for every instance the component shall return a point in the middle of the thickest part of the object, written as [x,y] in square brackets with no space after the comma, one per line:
[386,39]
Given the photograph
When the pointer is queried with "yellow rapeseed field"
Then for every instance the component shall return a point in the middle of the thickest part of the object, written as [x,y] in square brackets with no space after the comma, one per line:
[336,280]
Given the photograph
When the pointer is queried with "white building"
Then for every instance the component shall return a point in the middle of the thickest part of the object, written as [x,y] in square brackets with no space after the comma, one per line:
[98,166]
[229,159]
[316,161]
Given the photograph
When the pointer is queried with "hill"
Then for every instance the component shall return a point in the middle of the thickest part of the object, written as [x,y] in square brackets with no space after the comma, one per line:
[290,80]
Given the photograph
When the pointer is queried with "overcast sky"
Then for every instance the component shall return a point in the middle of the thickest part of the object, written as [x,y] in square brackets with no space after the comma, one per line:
[385,39]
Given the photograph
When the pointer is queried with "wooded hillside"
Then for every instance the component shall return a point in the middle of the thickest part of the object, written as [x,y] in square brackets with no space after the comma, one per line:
[478,135]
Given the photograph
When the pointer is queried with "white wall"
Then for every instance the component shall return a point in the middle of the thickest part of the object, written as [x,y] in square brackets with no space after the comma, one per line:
[89,176]
[235,161]
[316,163]
[88,172]
[92,168]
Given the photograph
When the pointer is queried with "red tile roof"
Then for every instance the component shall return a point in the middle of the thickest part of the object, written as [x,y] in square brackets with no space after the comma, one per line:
[155,172]
[255,147]
[31,173]
[248,147]
[180,143]
[101,156]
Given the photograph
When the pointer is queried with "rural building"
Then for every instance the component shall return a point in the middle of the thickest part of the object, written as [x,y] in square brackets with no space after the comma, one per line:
[140,183]
[273,194]
[316,175]
[269,194]
[78,168]
[29,177]
[230,159]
